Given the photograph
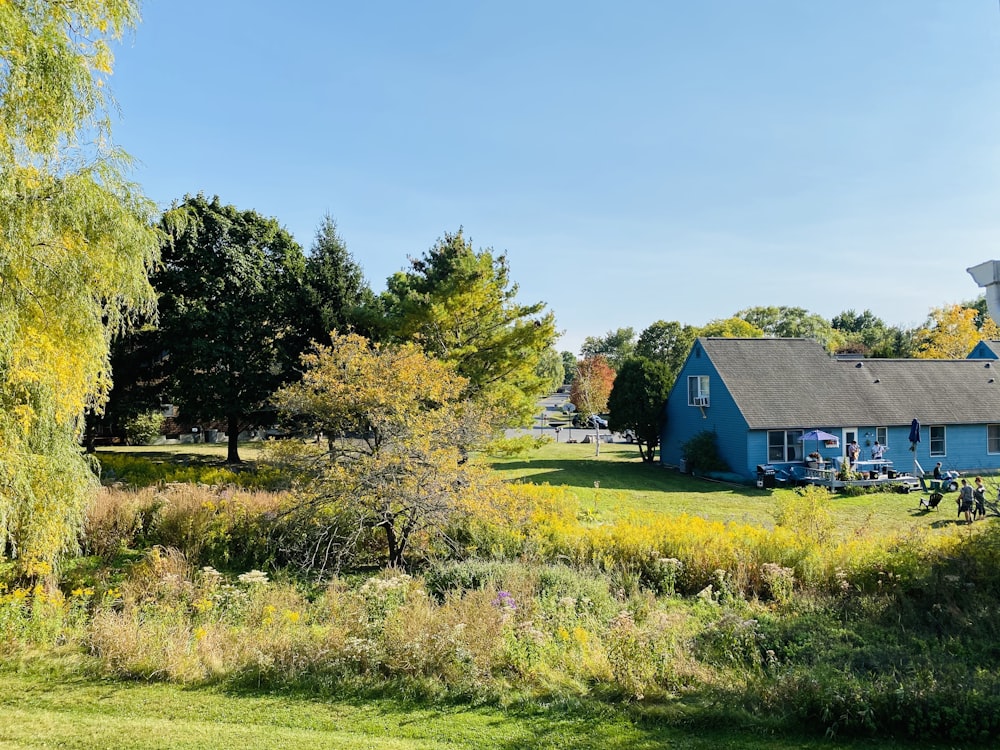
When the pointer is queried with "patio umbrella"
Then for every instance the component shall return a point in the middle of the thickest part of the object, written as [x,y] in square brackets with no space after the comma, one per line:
[914,434]
[818,435]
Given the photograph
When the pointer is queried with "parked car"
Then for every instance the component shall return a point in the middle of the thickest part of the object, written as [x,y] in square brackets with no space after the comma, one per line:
[629,436]
[594,420]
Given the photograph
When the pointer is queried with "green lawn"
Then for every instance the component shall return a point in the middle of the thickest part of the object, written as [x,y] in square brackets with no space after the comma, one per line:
[616,483]
[43,707]
[627,485]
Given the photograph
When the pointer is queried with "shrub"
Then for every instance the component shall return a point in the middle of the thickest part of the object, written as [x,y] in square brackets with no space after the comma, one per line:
[702,453]
[144,427]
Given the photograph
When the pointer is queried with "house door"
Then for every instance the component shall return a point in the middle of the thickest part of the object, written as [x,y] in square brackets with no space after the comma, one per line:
[850,435]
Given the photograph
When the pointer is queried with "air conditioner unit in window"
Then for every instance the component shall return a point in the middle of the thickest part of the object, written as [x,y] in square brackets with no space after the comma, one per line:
[701,400]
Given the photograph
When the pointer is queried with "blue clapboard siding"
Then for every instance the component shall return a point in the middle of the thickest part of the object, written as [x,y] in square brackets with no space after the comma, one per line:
[794,385]
[722,416]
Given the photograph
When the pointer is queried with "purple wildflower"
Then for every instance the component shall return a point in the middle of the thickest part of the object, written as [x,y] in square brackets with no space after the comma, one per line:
[504,600]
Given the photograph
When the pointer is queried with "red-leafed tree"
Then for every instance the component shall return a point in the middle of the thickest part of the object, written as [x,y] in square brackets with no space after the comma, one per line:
[591,387]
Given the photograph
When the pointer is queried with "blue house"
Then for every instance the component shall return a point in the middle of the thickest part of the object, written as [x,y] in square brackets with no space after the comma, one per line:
[759,396]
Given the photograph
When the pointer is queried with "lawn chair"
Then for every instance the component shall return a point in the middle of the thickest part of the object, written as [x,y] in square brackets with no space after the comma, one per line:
[931,502]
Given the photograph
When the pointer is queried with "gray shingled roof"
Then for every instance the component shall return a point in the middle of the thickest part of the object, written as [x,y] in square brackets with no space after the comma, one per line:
[794,383]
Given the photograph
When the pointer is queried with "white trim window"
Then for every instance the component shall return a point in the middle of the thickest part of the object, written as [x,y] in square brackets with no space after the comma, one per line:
[784,445]
[882,436]
[993,438]
[938,442]
[698,390]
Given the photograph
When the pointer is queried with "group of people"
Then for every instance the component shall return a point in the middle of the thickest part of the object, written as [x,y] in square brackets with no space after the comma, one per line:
[971,500]
[854,452]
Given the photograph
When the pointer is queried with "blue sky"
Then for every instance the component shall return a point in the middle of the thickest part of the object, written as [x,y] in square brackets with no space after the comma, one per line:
[636,161]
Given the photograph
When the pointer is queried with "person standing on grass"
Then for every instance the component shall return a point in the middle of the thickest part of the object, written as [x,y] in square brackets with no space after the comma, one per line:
[966,500]
[979,494]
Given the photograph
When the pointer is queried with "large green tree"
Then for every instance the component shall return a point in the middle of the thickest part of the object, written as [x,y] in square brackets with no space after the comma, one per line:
[230,293]
[77,242]
[731,328]
[615,346]
[637,402]
[668,342]
[792,322]
[461,306]
[550,366]
[335,286]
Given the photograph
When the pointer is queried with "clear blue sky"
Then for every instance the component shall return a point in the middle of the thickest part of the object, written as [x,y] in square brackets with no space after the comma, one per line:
[637,161]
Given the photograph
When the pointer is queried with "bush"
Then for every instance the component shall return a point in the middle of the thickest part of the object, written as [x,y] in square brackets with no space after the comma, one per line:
[702,453]
[143,428]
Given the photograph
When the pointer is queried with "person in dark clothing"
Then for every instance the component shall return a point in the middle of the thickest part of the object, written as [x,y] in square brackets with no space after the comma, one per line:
[966,501]
[979,495]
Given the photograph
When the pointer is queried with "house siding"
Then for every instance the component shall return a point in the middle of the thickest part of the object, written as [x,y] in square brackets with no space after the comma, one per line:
[983,350]
[722,416]
[759,385]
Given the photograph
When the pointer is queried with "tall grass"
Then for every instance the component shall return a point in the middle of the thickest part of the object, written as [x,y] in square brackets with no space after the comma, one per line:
[800,625]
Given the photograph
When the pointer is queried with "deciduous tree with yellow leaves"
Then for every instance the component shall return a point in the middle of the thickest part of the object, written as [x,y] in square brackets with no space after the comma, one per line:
[395,462]
[951,333]
[76,246]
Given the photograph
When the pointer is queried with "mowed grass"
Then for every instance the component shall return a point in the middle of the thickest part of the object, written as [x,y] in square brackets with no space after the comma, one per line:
[42,706]
[188,453]
[616,483]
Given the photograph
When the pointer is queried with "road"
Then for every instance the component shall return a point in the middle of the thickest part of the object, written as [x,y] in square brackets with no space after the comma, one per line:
[552,421]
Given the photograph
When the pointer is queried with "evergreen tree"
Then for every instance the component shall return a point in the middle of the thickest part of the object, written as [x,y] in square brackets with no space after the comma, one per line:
[462,307]
[335,286]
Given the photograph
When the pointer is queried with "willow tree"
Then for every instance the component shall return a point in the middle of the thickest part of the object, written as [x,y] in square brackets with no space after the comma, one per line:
[75,249]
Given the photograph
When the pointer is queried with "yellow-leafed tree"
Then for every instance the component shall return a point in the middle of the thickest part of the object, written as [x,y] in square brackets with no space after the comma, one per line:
[951,333]
[394,466]
[76,245]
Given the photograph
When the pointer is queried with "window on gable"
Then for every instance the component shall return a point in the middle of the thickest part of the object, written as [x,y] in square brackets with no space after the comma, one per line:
[938,446]
[993,438]
[784,445]
[698,390]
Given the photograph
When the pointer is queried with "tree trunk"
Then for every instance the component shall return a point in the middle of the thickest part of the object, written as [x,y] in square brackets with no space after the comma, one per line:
[647,451]
[395,550]
[90,435]
[233,431]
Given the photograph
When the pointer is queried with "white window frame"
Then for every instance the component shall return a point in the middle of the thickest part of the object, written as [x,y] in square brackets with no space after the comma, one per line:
[698,390]
[943,450]
[791,439]
[882,436]
[993,440]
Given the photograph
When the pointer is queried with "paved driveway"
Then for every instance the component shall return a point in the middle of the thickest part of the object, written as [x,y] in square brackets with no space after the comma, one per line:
[552,421]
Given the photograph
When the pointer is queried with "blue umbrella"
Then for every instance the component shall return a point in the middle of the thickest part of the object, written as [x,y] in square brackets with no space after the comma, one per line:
[818,435]
[914,434]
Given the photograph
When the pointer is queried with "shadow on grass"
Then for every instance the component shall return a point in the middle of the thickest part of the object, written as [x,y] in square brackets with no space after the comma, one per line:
[551,720]
[612,475]
[206,456]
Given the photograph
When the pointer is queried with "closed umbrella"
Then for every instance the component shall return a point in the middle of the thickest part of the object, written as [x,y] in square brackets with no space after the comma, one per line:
[914,434]
[914,439]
